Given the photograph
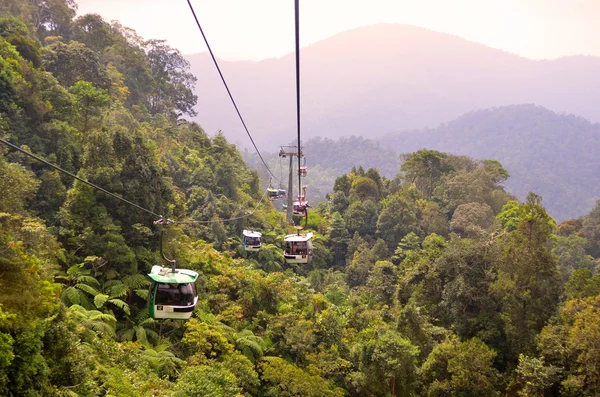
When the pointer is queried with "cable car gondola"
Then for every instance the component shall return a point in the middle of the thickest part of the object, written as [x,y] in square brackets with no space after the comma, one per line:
[298,248]
[303,171]
[299,207]
[273,193]
[252,240]
[172,293]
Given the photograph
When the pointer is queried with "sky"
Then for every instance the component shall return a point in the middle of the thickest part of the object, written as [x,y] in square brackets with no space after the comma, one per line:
[259,29]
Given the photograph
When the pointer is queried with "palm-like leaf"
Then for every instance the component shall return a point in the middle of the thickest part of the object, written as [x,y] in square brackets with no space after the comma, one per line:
[136,281]
[142,293]
[89,280]
[87,288]
[249,344]
[120,304]
[100,300]
[101,323]
[70,296]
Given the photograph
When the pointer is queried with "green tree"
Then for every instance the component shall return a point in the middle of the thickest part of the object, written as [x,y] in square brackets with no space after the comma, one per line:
[173,84]
[282,379]
[387,356]
[533,376]
[529,283]
[457,368]
[90,101]
[397,219]
[591,229]
[73,62]
[361,217]
[207,380]
[425,168]
[472,220]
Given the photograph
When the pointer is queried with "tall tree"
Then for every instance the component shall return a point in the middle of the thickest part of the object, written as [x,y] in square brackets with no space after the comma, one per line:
[529,283]
[425,169]
[173,84]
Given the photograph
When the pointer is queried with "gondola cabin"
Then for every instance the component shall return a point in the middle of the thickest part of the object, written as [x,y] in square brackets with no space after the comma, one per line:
[282,193]
[298,248]
[252,240]
[273,193]
[303,171]
[299,208]
[172,293]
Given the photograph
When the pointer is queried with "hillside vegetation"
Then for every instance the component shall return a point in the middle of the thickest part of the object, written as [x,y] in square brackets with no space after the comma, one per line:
[436,282]
[554,155]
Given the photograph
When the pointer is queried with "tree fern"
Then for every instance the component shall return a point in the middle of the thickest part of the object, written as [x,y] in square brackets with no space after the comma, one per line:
[87,288]
[100,300]
[136,281]
[120,304]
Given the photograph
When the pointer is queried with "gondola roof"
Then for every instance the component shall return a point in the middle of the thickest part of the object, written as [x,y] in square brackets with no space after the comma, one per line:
[298,237]
[180,276]
[250,233]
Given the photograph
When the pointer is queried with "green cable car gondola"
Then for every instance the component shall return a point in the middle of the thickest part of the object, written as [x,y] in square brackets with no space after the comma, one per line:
[172,293]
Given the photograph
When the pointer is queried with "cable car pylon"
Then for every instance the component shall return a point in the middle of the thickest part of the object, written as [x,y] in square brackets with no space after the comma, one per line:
[291,152]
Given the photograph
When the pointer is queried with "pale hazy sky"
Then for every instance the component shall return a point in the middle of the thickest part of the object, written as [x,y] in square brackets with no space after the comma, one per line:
[258,29]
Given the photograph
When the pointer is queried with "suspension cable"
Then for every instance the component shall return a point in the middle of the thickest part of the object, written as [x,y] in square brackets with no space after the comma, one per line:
[228,91]
[297,35]
[78,178]
[235,218]
[161,220]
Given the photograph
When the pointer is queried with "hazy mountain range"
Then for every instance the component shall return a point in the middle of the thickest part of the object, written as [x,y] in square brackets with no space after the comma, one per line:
[553,155]
[419,89]
[385,78]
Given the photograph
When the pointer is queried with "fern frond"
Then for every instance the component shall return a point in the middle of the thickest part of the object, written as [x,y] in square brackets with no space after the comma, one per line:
[100,300]
[120,304]
[87,288]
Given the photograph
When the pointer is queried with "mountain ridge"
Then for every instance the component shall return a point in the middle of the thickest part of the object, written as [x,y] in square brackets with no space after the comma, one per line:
[383,78]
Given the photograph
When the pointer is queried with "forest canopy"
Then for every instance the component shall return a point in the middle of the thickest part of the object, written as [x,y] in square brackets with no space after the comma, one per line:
[436,282]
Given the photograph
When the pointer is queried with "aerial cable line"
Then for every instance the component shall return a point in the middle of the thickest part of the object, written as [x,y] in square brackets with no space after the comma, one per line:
[235,218]
[228,91]
[78,178]
[297,35]
[161,220]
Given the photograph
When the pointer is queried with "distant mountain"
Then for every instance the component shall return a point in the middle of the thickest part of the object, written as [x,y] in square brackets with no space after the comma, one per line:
[379,79]
[553,155]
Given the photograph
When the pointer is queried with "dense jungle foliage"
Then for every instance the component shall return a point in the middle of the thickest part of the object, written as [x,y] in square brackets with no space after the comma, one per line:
[434,283]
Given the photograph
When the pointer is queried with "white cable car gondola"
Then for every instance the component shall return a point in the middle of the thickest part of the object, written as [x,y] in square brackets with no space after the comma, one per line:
[252,240]
[172,293]
[298,248]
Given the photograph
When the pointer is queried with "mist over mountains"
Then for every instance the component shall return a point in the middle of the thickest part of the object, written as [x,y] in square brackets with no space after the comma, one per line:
[385,78]
[553,155]
[409,88]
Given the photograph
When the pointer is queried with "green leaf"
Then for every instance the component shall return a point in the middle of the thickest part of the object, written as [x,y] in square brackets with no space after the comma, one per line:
[120,304]
[87,288]
[72,296]
[136,281]
[100,300]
